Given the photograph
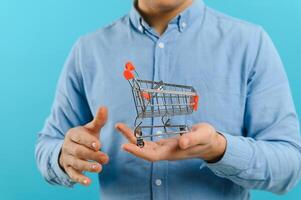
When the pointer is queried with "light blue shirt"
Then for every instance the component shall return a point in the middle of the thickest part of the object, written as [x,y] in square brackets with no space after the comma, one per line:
[244,93]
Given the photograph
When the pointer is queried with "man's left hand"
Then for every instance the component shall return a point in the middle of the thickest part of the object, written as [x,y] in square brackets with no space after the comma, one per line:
[202,141]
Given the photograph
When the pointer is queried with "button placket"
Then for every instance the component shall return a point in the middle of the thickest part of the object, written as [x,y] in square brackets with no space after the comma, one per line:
[159,169]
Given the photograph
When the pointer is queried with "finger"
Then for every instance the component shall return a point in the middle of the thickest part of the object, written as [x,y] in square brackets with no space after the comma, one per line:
[77,176]
[195,151]
[198,136]
[126,132]
[85,153]
[82,165]
[171,140]
[194,127]
[199,151]
[141,152]
[86,139]
[99,120]
[170,150]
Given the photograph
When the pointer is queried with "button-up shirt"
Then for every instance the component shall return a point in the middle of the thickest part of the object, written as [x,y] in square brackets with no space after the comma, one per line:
[243,92]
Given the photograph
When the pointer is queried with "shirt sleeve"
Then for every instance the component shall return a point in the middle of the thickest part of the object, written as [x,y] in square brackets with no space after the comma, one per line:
[70,109]
[268,157]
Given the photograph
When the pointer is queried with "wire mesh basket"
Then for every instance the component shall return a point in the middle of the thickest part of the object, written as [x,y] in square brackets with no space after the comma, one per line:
[158,99]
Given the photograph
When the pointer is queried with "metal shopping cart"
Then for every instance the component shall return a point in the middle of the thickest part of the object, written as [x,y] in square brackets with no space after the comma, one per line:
[158,99]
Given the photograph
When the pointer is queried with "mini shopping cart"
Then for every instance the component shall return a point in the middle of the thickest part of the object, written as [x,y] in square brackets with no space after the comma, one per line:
[158,99]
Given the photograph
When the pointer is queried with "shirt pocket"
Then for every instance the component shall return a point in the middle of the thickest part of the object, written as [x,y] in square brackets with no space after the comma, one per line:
[221,103]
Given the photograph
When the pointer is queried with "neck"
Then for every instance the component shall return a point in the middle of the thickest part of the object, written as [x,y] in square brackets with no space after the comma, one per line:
[159,19]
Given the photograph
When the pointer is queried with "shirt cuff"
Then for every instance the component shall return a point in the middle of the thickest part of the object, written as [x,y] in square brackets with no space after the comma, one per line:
[59,175]
[236,159]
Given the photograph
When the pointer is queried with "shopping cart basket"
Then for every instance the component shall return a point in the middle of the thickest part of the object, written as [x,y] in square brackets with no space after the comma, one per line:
[158,99]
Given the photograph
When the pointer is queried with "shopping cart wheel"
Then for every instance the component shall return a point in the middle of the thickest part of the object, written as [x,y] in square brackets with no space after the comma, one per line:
[138,132]
[140,143]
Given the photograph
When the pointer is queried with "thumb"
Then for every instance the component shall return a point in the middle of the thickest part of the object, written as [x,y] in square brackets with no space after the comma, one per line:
[99,120]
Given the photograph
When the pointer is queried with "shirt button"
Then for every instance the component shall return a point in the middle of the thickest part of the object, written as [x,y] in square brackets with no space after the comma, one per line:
[140,28]
[184,24]
[158,133]
[158,182]
[161,45]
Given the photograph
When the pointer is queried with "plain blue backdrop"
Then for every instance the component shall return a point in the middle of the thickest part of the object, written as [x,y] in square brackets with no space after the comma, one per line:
[35,38]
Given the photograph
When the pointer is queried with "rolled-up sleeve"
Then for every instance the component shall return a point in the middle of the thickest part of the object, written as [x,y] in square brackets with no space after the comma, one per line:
[70,109]
[269,157]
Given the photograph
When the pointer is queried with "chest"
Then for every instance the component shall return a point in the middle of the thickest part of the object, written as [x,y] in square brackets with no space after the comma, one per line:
[217,75]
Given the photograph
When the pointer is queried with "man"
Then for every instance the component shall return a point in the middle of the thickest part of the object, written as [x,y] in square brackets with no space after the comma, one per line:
[244,136]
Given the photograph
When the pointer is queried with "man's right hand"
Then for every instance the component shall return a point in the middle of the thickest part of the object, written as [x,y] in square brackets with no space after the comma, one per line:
[80,151]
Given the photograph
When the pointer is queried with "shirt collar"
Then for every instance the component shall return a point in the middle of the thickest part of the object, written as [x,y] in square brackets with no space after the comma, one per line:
[183,20]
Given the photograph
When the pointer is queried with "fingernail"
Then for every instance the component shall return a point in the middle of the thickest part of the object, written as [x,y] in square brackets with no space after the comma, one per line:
[94,166]
[85,181]
[107,161]
[94,145]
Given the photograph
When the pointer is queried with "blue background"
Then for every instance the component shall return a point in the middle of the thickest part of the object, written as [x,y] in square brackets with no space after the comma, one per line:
[35,39]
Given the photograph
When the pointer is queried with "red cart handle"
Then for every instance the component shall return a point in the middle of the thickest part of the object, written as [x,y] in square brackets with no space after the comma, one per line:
[195,101]
[127,73]
[129,66]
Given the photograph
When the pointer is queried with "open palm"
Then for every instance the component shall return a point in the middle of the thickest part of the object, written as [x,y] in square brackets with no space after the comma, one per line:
[190,145]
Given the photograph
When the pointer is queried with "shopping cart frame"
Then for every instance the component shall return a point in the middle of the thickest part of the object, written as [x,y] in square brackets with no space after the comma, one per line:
[159,99]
